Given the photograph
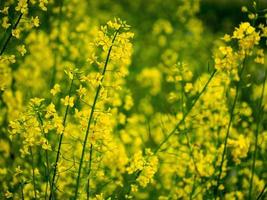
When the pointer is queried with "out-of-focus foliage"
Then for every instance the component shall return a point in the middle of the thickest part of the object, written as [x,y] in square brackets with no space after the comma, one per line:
[133,99]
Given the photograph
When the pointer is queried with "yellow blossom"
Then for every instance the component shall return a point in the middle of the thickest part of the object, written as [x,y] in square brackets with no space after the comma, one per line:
[68,101]
[56,89]
[22,50]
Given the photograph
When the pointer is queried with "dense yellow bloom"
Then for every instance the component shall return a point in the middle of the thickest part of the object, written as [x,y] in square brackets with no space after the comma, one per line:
[142,115]
[239,147]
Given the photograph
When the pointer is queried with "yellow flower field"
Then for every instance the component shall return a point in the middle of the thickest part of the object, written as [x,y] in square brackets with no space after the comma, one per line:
[143,99]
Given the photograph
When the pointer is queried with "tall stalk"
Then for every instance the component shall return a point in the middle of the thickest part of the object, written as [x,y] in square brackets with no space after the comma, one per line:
[186,114]
[47,168]
[180,122]
[3,48]
[262,193]
[33,174]
[10,34]
[56,55]
[91,115]
[21,190]
[228,129]
[259,118]
[60,144]
[89,171]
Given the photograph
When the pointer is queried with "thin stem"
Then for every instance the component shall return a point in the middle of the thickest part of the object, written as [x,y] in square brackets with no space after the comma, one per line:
[33,174]
[56,57]
[60,144]
[89,172]
[179,123]
[186,135]
[186,114]
[1,53]
[192,154]
[259,118]
[262,192]
[193,188]
[21,189]
[228,130]
[10,34]
[47,168]
[91,116]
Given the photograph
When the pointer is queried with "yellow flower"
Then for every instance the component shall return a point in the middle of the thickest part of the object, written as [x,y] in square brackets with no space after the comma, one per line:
[260,56]
[18,171]
[68,101]
[128,102]
[134,188]
[5,10]
[244,9]
[226,38]
[56,89]
[35,21]
[43,4]
[22,6]
[240,147]
[188,87]
[16,33]
[81,91]
[8,194]
[22,50]
[36,102]
[5,23]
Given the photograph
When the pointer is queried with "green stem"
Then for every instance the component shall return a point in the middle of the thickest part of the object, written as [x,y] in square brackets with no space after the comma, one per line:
[186,114]
[91,116]
[260,109]
[186,134]
[33,174]
[89,172]
[228,130]
[1,53]
[10,34]
[60,144]
[47,168]
[22,193]
[262,192]
[193,188]
[179,123]
[56,57]
[192,154]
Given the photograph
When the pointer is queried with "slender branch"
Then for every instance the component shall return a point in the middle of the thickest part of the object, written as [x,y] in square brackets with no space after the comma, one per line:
[186,114]
[56,55]
[47,168]
[262,192]
[21,188]
[192,154]
[187,136]
[60,144]
[228,130]
[33,174]
[10,34]
[193,188]
[259,118]
[179,123]
[89,171]
[91,116]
